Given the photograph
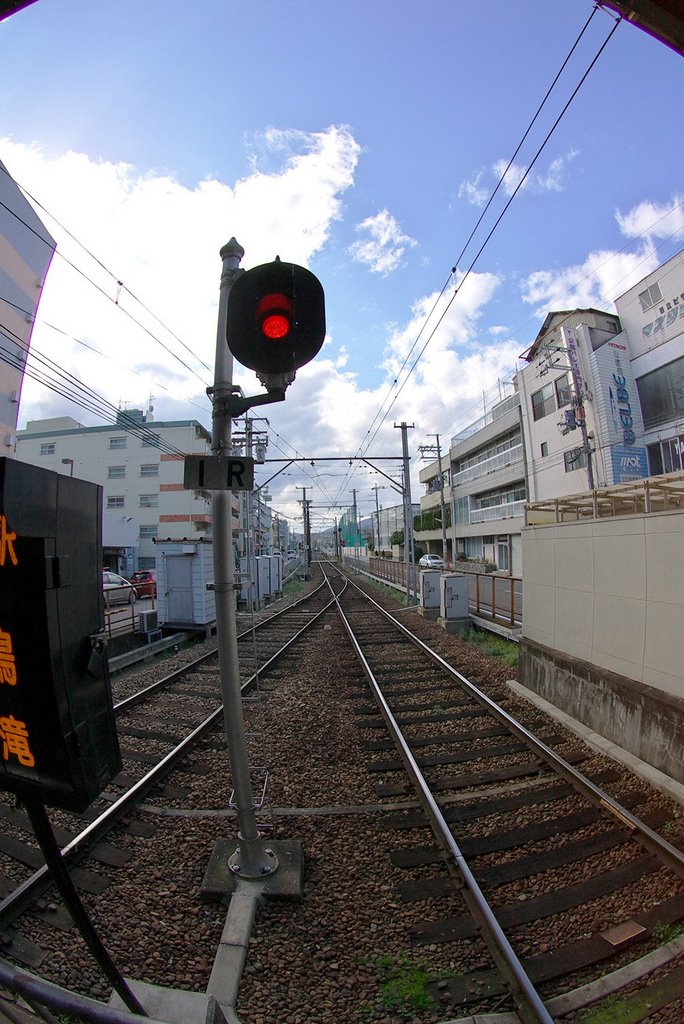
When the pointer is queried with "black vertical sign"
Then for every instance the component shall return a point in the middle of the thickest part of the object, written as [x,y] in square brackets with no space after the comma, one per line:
[57,733]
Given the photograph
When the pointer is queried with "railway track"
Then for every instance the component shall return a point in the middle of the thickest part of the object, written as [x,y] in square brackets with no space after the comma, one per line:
[384,933]
[160,724]
[529,852]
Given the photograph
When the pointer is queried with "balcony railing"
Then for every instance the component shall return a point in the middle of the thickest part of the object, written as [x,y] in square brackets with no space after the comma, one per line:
[508,510]
[494,462]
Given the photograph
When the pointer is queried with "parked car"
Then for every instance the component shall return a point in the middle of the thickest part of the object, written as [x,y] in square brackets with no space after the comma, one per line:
[431,562]
[116,589]
[144,582]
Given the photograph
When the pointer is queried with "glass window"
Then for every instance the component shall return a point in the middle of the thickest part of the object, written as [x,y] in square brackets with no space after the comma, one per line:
[563,391]
[117,442]
[544,449]
[148,532]
[671,456]
[661,394]
[543,402]
[116,472]
[655,459]
[650,297]
[462,510]
[149,469]
[149,500]
[115,501]
[576,458]
[47,449]
[151,441]
[146,563]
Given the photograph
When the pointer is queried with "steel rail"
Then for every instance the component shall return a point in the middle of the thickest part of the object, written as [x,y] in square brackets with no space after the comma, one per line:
[172,677]
[527,999]
[17,901]
[651,840]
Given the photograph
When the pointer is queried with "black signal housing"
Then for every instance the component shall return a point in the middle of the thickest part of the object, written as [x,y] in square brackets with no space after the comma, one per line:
[276,318]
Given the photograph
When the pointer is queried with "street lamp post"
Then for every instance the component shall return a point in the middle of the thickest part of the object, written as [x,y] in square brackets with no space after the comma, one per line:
[69,462]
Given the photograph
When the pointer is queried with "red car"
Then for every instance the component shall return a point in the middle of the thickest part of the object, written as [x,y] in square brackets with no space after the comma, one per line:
[144,582]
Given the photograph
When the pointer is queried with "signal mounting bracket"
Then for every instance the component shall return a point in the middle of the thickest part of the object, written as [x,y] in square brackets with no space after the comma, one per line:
[236,404]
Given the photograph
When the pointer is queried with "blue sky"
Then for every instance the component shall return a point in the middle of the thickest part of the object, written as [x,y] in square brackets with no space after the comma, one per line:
[361,142]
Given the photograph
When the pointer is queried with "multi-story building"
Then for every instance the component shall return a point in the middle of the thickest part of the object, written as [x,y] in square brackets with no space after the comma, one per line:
[652,317]
[139,464]
[26,249]
[576,385]
[599,402]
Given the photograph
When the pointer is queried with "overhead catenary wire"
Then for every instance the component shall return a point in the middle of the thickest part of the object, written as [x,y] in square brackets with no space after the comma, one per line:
[499,218]
[65,384]
[369,439]
[84,344]
[120,286]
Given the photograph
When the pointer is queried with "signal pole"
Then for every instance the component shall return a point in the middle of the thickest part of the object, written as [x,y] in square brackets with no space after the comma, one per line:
[251,858]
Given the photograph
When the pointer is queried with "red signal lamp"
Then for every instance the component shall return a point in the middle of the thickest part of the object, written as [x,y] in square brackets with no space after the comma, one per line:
[275,321]
[274,316]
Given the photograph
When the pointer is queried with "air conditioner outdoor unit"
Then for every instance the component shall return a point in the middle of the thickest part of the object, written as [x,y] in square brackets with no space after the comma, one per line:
[148,622]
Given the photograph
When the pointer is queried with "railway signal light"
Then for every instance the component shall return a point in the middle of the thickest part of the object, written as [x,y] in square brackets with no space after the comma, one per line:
[276,321]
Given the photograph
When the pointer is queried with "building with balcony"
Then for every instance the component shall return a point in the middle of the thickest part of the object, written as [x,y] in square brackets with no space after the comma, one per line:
[484,478]
[139,464]
[598,403]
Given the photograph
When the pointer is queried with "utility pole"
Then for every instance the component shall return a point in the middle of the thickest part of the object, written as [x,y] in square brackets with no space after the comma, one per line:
[435,449]
[575,417]
[356,527]
[251,858]
[376,488]
[306,527]
[408,511]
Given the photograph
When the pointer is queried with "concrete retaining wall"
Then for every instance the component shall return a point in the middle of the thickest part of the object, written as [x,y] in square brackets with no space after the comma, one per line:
[646,721]
[603,628]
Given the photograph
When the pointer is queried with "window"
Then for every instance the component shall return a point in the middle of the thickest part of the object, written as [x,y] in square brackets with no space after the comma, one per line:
[563,391]
[661,394]
[148,532]
[655,459]
[149,469]
[146,563]
[149,500]
[115,501]
[462,510]
[47,449]
[650,297]
[576,458]
[543,402]
[116,472]
[151,441]
[544,449]
[117,442]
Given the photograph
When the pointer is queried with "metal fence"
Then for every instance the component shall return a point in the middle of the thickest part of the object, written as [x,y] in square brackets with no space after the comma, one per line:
[499,598]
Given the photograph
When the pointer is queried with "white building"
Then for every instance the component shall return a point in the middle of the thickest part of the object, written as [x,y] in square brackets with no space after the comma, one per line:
[26,249]
[599,403]
[652,317]
[139,464]
[577,384]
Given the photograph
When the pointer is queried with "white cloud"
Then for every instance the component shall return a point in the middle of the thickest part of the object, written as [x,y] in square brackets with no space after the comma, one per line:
[478,189]
[652,220]
[606,274]
[472,191]
[162,240]
[382,251]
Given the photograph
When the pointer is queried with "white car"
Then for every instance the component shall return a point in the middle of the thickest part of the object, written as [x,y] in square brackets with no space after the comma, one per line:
[431,562]
[116,589]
